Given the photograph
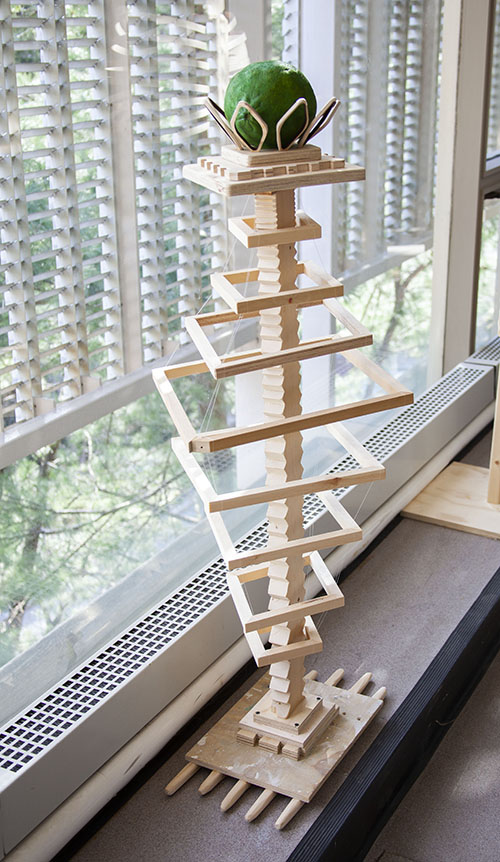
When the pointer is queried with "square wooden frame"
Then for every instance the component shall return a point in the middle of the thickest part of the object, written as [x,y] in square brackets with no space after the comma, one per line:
[230,365]
[348,532]
[369,470]
[214,441]
[326,286]
[244,229]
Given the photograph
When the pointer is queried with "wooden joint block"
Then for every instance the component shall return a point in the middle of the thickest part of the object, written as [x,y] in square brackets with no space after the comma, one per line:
[270,743]
[249,737]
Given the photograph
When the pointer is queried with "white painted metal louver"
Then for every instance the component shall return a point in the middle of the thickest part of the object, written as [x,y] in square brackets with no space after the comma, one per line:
[387,78]
[103,246]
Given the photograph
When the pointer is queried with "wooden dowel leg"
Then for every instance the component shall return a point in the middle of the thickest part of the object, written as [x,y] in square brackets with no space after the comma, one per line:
[289,812]
[380,693]
[184,775]
[210,782]
[361,683]
[312,674]
[234,794]
[336,676]
[260,803]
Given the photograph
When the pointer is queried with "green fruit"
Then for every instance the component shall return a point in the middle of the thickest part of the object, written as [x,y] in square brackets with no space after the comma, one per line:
[271,88]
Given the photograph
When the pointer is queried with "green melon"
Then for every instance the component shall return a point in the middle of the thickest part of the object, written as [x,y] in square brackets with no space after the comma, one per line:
[271,88]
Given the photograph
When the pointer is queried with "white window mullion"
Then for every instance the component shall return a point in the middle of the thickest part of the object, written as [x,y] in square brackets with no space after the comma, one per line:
[396,119]
[62,198]
[188,194]
[376,127]
[427,127]
[461,162]
[147,133]
[124,196]
[21,390]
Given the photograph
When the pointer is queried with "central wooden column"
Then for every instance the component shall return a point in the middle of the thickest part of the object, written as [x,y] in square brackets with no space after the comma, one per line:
[279,330]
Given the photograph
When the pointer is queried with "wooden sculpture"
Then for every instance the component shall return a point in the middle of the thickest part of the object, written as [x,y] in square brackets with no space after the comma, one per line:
[464,496]
[289,731]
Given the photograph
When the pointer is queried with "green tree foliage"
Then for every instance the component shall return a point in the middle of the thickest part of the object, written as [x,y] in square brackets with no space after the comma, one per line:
[80,514]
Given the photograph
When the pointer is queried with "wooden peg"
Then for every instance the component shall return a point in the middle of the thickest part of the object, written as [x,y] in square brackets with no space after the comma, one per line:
[336,676]
[210,782]
[312,674]
[380,693]
[184,775]
[260,803]
[234,794]
[361,683]
[288,813]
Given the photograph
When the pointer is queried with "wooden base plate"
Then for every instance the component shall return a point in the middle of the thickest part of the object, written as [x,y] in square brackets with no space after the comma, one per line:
[457,498]
[219,749]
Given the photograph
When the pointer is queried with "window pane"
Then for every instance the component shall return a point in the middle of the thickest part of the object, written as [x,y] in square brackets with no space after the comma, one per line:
[493,143]
[488,298]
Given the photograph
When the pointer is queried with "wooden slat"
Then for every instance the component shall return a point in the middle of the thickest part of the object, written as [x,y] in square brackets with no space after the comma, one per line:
[214,441]
[262,555]
[173,405]
[353,446]
[305,350]
[298,487]
[324,576]
[303,296]
[374,372]
[264,657]
[193,470]
[263,621]
[336,509]
[201,341]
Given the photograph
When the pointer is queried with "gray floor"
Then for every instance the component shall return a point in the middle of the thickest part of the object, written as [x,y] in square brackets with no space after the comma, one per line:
[402,602]
[453,809]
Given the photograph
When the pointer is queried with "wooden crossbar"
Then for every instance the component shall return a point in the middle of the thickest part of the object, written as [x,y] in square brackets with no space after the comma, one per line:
[301,297]
[214,441]
[244,230]
[370,471]
[264,657]
[235,560]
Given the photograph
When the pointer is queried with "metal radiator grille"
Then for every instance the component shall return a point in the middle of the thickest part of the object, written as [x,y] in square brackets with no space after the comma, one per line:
[36,729]
[489,354]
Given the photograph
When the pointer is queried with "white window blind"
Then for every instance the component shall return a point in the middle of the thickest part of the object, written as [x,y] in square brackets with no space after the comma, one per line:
[388,74]
[103,244]
[386,61]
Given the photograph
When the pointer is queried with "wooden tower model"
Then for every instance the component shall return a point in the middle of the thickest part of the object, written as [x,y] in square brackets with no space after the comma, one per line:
[288,733]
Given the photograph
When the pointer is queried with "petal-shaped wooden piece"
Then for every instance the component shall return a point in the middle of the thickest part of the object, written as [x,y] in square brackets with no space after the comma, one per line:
[380,693]
[335,677]
[361,683]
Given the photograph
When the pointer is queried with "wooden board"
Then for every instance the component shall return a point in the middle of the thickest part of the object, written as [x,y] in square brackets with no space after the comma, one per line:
[219,749]
[457,498]
[312,174]
[251,159]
